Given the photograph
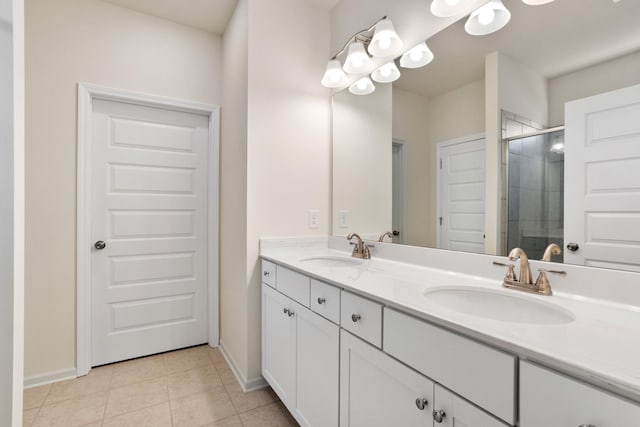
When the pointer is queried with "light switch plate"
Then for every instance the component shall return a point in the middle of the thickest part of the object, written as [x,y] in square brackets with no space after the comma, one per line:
[314,221]
[343,219]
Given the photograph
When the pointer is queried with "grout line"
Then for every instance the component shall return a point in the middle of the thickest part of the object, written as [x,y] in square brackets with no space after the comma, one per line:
[106,403]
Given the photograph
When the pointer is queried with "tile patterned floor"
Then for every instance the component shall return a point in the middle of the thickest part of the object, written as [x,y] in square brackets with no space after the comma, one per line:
[184,388]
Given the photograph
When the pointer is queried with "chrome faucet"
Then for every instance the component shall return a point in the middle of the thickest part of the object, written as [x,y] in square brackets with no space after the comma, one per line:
[385,234]
[524,282]
[361,250]
[525,271]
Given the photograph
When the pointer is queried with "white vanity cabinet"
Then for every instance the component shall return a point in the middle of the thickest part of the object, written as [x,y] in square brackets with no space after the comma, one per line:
[554,400]
[377,390]
[300,354]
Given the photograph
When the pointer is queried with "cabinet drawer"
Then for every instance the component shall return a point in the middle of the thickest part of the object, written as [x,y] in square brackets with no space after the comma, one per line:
[269,273]
[477,372]
[294,285]
[325,300]
[362,317]
[553,400]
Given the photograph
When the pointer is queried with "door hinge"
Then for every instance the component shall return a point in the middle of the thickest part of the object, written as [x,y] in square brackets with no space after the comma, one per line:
[440,163]
[440,221]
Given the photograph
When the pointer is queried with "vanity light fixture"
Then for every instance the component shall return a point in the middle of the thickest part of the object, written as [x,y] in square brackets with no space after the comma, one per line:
[334,77]
[416,57]
[385,41]
[387,73]
[364,86]
[487,19]
[357,59]
[447,8]
[536,2]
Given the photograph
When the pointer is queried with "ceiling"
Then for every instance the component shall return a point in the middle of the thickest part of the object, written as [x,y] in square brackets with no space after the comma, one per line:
[552,39]
[207,15]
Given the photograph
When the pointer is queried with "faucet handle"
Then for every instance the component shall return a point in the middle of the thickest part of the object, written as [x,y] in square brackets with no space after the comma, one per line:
[511,274]
[542,282]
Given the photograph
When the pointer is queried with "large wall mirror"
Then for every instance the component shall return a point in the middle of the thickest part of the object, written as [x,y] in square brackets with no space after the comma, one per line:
[414,156]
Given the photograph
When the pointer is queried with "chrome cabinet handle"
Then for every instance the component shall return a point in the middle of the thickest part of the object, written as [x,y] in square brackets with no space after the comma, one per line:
[321,300]
[355,317]
[99,245]
[266,273]
[421,403]
[438,416]
[288,312]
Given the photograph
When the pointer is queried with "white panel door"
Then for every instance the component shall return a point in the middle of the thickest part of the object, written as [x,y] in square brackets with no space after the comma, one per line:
[149,207]
[602,184]
[376,390]
[461,204]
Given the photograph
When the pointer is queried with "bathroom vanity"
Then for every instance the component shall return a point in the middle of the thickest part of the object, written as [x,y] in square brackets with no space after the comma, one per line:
[380,342]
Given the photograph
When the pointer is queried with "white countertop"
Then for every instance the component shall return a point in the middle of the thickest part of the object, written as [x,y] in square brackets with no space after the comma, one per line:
[601,346]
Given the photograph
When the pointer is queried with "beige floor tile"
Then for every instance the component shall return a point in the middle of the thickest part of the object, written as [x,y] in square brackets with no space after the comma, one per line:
[154,416]
[273,415]
[28,417]
[227,422]
[97,381]
[137,370]
[226,374]
[183,360]
[34,397]
[193,381]
[216,355]
[73,412]
[202,408]
[244,402]
[136,396]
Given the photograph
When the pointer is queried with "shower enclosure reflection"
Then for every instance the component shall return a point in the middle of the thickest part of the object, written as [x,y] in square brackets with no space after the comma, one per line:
[535,197]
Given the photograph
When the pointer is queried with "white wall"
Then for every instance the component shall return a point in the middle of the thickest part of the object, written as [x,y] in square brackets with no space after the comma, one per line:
[288,138]
[233,188]
[71,41]
[611,75]
[522,91]
[362,183]
[411,125]
[6,212]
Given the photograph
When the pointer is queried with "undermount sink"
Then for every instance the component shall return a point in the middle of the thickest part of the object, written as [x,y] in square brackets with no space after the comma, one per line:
[332,261]
[498,305]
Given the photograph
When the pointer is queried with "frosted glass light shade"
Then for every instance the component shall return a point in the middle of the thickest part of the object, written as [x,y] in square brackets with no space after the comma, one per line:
[334,77]
[387,73]
[416,57]
[487,19]
[536,2]
[447,8]
[357,59]
[364,86]
[385,41]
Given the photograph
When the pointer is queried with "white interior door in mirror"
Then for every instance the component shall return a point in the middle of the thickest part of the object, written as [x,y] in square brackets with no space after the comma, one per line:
[461,195]
[602,180]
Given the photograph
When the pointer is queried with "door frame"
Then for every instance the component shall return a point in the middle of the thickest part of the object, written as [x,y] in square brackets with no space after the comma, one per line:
[439,147]
[402,176]
[87,93]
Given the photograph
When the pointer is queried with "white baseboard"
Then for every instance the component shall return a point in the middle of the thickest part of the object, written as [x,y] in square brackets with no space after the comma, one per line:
[246,384]
[49,377]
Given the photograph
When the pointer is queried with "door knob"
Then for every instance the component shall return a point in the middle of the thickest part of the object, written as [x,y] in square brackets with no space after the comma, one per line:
[396,233]
[99,245]
[573,246]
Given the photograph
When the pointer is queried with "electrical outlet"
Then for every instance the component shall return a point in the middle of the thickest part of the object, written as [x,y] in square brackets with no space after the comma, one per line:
[343,219]
[314,221]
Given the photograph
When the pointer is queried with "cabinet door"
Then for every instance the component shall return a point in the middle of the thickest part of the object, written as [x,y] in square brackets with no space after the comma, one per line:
[453,411]
[376,390]
[553,400]
[317,373]
[278,344]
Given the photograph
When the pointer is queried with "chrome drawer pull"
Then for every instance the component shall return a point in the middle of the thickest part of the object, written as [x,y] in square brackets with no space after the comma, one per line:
[321,300]
[421,403]
[355,317]
[438,416]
